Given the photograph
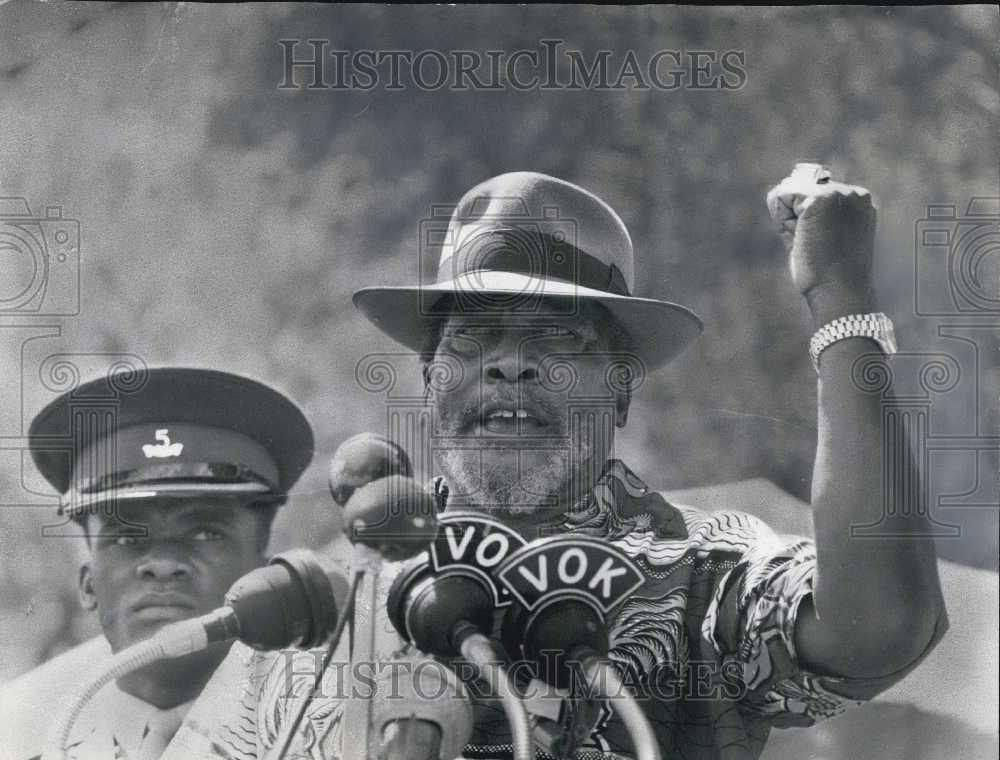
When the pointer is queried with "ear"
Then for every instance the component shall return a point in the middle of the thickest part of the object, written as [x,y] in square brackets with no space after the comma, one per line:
[88,599]
[425,372]
[622,401]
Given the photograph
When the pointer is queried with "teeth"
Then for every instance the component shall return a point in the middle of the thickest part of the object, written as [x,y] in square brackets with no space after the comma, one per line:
[507,414]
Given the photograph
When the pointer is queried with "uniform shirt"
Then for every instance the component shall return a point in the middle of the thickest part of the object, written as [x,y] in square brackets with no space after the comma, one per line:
[707,641]
[111,724]
[119,726]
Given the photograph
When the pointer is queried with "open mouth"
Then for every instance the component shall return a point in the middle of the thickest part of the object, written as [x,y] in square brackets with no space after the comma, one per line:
[511,419]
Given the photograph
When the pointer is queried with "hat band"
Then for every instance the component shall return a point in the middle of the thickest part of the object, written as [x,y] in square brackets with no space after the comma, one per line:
[208,472]
[533,254]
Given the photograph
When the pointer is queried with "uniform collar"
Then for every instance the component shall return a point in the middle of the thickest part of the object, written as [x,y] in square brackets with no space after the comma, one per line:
[114,715]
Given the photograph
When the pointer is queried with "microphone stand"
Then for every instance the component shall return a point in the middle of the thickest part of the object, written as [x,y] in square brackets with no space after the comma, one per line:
[291,729]
[363,650]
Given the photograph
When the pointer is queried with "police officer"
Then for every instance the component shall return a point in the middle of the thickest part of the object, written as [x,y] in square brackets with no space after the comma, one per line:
[175,478]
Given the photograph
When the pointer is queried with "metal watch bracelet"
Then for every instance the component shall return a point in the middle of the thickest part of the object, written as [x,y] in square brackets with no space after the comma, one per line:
[876,326]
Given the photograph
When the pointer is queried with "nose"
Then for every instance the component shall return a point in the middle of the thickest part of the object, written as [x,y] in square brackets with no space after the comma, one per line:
[163,564]
[508,362]
[498,372]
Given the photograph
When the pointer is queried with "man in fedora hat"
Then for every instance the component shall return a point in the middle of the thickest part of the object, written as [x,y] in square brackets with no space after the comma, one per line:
[533,341]
[174,476]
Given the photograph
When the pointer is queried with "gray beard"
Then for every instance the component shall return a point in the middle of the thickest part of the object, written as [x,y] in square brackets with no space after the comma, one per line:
[503,489]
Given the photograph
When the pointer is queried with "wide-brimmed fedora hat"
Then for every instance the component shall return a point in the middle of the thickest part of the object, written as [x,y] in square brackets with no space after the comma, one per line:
[530,241]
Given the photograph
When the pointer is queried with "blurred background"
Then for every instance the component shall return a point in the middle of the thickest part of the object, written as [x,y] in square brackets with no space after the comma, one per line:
[225,222]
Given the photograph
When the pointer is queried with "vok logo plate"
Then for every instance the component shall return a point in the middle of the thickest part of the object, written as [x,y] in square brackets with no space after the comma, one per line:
[577,565]
[468,542]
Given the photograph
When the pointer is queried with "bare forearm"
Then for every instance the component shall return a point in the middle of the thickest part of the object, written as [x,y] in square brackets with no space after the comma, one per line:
[876,595]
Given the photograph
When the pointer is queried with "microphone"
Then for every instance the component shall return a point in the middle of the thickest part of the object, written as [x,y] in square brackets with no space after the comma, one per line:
[393,518]
[445,606]
[387,516]
[385,510]
[289,602]
[388,519]
[579,579]
[361,459]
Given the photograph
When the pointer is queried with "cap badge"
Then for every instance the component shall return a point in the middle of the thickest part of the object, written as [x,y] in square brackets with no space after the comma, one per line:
[164,448]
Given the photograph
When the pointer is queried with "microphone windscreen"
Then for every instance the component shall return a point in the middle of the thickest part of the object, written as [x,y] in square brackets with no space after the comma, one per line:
[361,459]
[293,601]
[394,516]
[425,608]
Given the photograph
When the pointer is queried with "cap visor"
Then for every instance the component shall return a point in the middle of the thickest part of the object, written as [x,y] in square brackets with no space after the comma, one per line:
[74,504]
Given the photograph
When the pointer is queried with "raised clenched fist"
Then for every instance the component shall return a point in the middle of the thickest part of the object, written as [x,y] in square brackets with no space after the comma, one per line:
[829,233]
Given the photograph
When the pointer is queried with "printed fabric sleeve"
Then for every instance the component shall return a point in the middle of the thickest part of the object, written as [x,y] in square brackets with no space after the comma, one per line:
[751,621]
[282,694]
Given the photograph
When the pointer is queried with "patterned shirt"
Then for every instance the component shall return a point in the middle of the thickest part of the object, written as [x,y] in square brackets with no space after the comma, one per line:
[707,643]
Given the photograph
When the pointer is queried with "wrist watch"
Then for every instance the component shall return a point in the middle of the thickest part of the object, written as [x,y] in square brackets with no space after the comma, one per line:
[876,326]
